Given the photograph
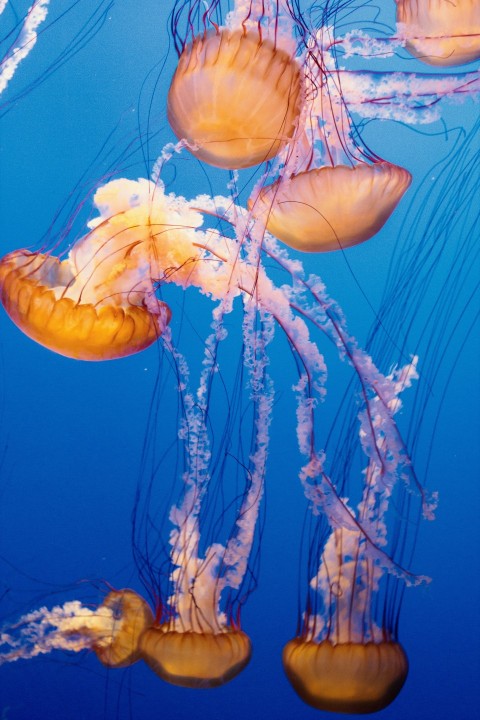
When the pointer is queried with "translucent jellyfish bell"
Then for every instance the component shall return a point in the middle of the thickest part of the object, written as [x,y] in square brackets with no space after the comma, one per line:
[441,32]
[348,677]
[235,98]
[331,207]
[133,616]
[33,289]
[194,659]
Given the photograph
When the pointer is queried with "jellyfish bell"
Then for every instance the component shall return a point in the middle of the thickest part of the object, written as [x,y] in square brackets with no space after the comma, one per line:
[440,32]
[235,98]
[331,192]
[194,659]
[131,617]
[331,207]
[112,630]
[35,292]
[346,678]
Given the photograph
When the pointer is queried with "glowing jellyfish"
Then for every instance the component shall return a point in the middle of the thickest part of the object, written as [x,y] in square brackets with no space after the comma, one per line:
[346,657]
[112,630]
[440,32]
[236,94]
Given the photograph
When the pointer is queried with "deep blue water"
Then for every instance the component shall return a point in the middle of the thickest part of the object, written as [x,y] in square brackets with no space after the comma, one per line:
[72,432]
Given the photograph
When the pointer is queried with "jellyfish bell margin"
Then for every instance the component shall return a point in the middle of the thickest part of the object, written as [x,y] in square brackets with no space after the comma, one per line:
[439,32]
[193,659]
[32,291]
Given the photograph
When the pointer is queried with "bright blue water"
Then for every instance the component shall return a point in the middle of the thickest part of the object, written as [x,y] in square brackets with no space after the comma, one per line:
[72,432]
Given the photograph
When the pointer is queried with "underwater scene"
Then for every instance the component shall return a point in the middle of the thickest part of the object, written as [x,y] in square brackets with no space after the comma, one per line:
[239,348]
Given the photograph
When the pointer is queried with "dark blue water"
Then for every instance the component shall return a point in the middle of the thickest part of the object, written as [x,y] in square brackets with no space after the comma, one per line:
[72,433]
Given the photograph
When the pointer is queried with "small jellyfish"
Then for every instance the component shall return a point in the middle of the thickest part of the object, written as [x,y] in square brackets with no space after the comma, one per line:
[440,32]
[332,192]
[236,93]
[112,630]
[133,616]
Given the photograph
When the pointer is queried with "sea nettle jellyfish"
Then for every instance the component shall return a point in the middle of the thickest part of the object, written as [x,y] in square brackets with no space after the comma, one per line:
[236,94]
[440,32]
[112,630]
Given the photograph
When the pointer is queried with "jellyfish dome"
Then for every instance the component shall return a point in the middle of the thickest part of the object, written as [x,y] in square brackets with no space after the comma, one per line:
[347,678]
[236,94]
[193,659]
[440,32]
[331,207]
[131,617]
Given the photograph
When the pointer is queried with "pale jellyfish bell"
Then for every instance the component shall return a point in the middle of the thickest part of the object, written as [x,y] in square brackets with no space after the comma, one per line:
[236,94]
[440,32]
[331,193]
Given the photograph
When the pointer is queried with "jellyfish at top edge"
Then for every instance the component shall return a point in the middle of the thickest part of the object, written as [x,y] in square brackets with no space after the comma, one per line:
[235,97]
[440,32]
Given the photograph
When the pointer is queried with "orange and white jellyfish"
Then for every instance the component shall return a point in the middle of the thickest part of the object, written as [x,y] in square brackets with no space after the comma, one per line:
[332,192]
[440,32]
[236,95]
[112,630]
[346,656]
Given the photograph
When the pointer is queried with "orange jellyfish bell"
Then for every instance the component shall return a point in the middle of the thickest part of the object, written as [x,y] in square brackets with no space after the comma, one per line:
[235,98]
[195,659]
[348,677]
[34,292]
[441,32]
[331,207]
[131,617]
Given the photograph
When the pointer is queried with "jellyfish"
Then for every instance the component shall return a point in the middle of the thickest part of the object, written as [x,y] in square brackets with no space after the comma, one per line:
[346,656]
[440,32]
[236,94]
[112,630]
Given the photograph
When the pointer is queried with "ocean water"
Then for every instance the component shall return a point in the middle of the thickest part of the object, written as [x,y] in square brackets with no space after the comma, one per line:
[76,437]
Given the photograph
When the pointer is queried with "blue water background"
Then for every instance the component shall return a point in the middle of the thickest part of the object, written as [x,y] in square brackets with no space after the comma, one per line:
[72,432]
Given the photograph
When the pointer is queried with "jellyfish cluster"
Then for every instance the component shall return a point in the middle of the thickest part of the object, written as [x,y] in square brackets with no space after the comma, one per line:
[263,88]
